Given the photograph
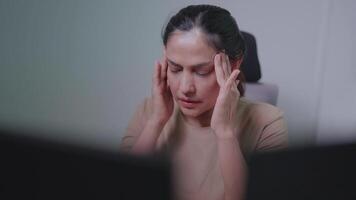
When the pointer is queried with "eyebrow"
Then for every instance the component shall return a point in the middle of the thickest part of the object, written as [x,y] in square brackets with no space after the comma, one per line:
[199,65]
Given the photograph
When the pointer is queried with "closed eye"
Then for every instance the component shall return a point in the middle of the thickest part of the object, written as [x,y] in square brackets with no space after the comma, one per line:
[204,71]
[174,69]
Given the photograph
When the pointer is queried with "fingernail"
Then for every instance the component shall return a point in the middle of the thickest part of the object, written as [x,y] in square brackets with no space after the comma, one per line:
[238,72]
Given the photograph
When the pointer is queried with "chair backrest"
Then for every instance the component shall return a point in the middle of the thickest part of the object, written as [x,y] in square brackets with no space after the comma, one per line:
[256,91]
[251,65]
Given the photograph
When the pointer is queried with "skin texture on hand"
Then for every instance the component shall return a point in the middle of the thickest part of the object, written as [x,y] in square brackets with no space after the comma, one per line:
[223,120]
[161,95]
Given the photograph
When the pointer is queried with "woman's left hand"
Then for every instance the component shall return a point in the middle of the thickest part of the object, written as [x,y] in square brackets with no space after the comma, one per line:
[223,120]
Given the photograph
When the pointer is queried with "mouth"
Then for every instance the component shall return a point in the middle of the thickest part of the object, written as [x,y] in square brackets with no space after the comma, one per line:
[188,103]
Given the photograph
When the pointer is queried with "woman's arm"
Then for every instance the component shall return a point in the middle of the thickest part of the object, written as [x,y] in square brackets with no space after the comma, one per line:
[142,132]
[223,122]
[146,142]
[233,167]
[160,107]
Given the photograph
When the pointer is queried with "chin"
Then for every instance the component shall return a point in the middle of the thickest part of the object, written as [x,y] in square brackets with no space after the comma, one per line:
[190,112]
[193,112]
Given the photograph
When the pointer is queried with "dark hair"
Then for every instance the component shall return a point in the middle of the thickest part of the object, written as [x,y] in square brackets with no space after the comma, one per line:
[220,28]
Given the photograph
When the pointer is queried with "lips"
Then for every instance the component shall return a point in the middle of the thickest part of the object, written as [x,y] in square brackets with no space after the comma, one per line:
[187,103]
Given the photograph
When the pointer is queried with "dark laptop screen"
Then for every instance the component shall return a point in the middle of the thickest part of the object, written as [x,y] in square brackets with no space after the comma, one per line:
[324,172]
[38,169]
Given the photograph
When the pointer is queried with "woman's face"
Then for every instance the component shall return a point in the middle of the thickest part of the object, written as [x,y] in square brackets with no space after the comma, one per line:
[191,74]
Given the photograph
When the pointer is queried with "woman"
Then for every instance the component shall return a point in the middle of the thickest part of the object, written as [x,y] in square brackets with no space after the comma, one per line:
[197,113]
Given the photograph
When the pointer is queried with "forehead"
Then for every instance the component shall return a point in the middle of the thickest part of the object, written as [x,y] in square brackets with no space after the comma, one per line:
[189,48]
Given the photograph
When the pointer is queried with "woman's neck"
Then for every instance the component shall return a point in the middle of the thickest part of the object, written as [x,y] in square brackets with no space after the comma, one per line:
[202,120]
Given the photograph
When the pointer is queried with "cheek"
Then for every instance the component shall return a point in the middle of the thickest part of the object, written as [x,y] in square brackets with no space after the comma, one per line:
[209,84]
[172,82]
[209,89]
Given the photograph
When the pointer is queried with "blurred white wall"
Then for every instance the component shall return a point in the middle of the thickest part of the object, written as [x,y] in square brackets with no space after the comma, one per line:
[84,65]
[337,95]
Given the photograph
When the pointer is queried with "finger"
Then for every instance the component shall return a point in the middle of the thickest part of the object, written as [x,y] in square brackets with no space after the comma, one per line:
[237,83]
[157,73]
[222,63]
[167,85]
[228,63]
[224,66]
[232,79]
[218,70]
[163,69]
[167,82]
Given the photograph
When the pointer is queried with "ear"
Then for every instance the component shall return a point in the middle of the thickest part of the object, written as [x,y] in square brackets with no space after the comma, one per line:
[236,64]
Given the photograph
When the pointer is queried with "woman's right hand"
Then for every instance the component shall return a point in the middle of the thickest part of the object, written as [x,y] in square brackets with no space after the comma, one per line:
[162,99]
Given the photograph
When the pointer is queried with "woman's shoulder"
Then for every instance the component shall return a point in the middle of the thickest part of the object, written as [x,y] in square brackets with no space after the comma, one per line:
[265,124]
[259,110]
[259,105]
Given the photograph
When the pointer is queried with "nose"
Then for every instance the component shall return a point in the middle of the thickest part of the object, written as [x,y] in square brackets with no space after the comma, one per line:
[187,84]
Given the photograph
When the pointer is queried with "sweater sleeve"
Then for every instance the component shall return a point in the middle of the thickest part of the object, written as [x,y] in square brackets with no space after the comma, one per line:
[135,126]
[274,135]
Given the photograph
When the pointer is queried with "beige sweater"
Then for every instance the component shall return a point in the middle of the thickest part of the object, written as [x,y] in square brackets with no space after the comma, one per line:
[193,149]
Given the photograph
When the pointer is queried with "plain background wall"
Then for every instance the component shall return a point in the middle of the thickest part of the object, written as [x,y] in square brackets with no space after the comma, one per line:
[337,97]
[82,66]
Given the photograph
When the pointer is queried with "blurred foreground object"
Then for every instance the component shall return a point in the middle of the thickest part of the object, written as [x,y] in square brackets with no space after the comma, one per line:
[38,169]
[324,172]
